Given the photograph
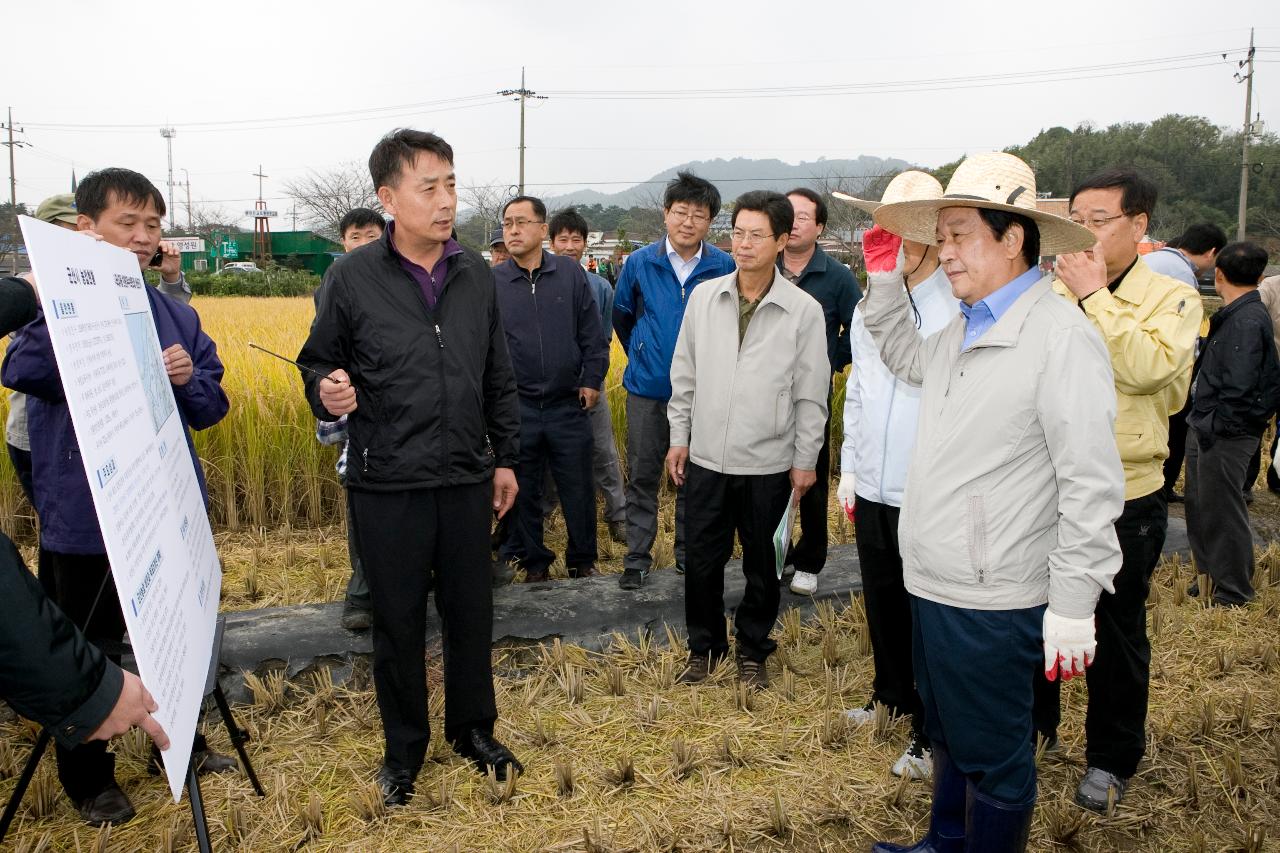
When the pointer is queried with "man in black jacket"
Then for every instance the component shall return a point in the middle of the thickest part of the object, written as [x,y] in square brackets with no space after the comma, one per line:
[409,339]
[1234,394]
[827,280]
[560,357]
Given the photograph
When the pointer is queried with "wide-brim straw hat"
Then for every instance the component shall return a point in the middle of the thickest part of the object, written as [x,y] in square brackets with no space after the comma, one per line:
[912,185]
[993,181]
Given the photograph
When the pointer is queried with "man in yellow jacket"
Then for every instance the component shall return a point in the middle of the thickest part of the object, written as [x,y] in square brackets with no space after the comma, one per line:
[1149,323]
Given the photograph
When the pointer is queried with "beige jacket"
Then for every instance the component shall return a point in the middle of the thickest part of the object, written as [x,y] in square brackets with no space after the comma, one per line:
[1150,326]
[1015,485]
[1269,290]
[756,409]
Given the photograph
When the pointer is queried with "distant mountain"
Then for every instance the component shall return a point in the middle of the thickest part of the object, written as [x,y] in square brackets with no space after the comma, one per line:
[736,176]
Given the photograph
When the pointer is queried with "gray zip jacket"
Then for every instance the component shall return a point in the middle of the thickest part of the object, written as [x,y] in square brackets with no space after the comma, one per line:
[759,408]
[1016,483]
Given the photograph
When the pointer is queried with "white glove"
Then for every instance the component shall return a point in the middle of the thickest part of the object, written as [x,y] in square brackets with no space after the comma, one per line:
[845,494]
[1069,645]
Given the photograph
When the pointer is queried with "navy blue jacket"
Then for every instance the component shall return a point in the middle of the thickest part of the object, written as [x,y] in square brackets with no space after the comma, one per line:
[648,308]
[830,282]
[552,322]
[68,522]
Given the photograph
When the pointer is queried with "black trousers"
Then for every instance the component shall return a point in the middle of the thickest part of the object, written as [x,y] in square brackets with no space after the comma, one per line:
[888,610]
[809,554]
[1177,446]
[1119,678]
[1255,465]
[557,438]
[413,543]
[1217,516]
[78,581]
[717,505]
[357,586]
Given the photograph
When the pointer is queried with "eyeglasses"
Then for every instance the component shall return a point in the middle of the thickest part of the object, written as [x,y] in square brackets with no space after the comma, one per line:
[519,224]
[803,217]
[695,218]
[1096,222]
[751,238]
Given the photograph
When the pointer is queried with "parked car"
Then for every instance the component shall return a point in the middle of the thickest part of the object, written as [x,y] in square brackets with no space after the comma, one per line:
[239,267]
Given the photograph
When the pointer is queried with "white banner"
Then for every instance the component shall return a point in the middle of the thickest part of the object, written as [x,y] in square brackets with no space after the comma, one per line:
[141,476]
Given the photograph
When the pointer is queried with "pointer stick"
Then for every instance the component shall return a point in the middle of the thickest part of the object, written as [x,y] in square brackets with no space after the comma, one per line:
[312,371]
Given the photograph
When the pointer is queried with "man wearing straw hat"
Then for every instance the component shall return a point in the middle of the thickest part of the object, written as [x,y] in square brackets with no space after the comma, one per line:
[1150,323]
[880,416]
[1011,495]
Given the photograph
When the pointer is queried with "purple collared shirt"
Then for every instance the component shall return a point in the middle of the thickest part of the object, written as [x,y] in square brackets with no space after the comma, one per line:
[431,281]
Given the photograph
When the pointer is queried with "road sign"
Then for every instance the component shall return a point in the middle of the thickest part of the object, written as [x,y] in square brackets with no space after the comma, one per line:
[186,244]
[261,214]
[230,249]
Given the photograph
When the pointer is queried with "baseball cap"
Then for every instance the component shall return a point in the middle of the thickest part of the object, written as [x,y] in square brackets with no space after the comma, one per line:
[58,208]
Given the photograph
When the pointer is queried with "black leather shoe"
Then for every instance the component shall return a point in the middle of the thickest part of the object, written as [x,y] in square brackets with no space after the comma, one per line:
[480,746]
[631,579]
[503,572]
[356,617]
[110,806]
[396,786]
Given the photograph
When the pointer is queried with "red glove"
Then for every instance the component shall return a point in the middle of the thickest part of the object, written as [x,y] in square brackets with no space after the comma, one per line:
[880,250]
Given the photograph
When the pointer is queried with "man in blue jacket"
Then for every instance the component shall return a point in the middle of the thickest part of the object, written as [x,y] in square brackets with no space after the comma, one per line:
[552,324]
[124,209]
[648,307]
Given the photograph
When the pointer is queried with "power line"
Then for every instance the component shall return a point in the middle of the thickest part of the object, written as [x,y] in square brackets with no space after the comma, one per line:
[862,89]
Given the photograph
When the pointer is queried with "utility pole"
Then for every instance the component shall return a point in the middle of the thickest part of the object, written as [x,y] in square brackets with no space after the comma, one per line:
[187,180]
[169,133]
[258,174]
[1248,131]
[13,190]
[524,94]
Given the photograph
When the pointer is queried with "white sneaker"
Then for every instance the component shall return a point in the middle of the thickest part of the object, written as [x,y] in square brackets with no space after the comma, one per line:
[804,583]
[916,761]
[862,716]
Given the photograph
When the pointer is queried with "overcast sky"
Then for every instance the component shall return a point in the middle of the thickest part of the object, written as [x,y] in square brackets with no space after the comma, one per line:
[92,83]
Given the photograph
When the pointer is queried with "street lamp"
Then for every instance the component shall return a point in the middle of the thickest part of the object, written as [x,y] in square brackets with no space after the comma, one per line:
[169,133]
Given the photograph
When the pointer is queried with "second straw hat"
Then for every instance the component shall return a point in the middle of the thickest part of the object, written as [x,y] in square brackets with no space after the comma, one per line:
[912,185]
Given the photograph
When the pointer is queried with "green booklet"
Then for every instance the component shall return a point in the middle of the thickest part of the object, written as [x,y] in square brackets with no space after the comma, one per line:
[782,536]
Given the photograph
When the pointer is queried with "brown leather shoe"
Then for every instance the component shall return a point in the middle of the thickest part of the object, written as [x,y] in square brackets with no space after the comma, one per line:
[583,572]
[208,761]
[111,806]
[618,532]
[696,671]
[753,673]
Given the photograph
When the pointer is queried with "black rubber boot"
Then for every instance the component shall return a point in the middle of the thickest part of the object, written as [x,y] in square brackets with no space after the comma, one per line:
[993,826]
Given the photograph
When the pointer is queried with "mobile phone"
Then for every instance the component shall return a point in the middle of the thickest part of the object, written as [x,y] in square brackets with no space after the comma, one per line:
[156,259]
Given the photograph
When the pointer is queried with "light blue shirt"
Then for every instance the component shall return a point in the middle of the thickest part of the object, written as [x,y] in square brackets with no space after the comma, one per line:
[1169,261]
[683,269]
[981,316]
